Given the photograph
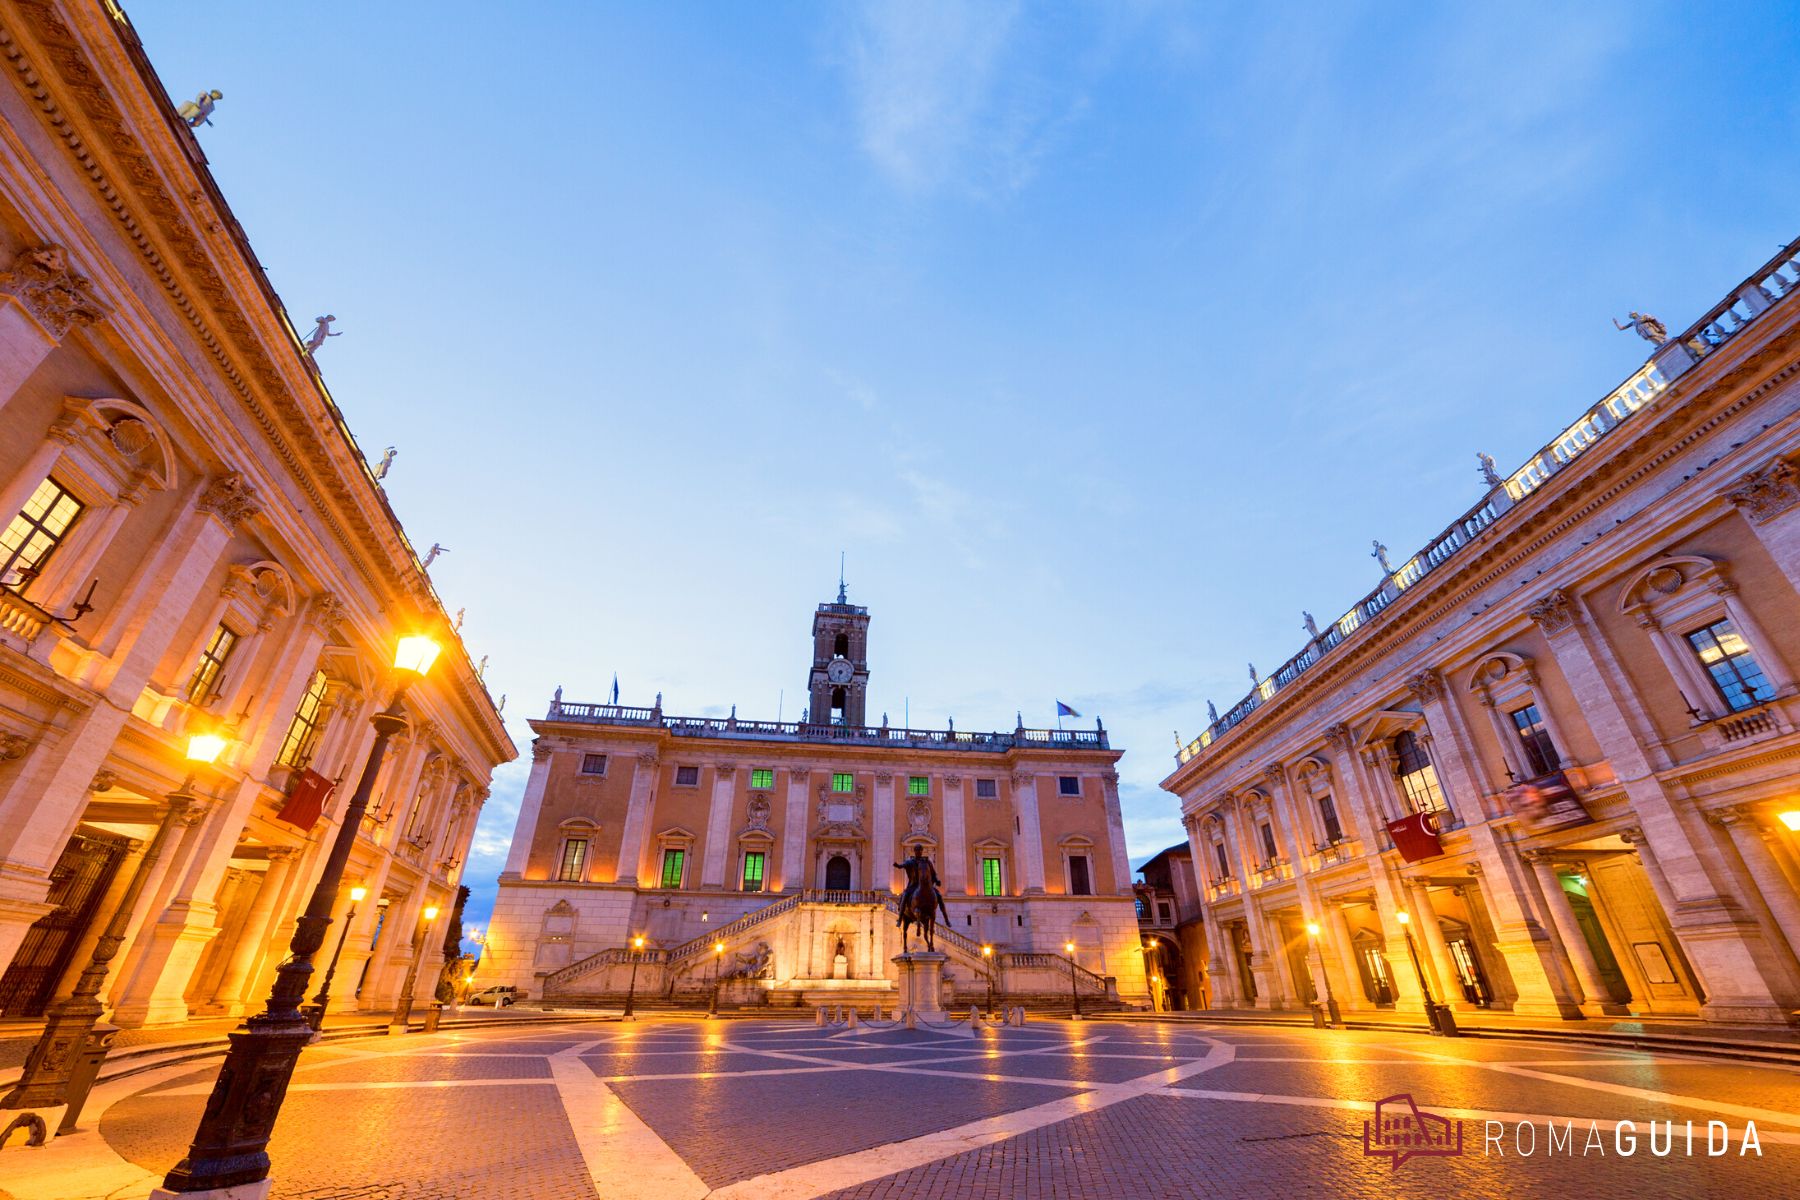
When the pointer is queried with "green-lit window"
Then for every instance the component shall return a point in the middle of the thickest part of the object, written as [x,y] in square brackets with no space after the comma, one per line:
[753,871]
[35,532]
[843,781]
[762,777]
[209,671]
[673,861]
[990,877]
[303,730]
[918,785]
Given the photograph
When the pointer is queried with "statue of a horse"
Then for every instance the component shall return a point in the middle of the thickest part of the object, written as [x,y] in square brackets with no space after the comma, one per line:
[920,906]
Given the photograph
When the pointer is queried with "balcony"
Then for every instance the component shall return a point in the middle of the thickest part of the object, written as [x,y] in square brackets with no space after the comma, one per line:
[1335,853]
[1223,889]
[1275,870]
[21,618]
[732,728]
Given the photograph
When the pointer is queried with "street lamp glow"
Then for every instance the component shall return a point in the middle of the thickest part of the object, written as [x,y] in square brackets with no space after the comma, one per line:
[357,894]
[1790,818]
[415,654]
[431,913]
[718,947]
[205,748]
[1312,929]
[1069,947]
[987,952]
[1402,917]
[637,943]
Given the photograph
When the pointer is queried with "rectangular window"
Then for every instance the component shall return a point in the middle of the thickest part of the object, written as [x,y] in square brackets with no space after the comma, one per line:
[1733,668]
[1080,883]
[987,789]
[843,781]
[990,877]
[1270,853]
[918,785]
[753,871]
[1162,912]
[1418,778]
[574,858]
[593,764]
[303,730]
[687,776]
[762,777]
[1540,753]
[1068,785]
[35,532]
[211,667]
[1334,832]
[672,864]
[1219,853]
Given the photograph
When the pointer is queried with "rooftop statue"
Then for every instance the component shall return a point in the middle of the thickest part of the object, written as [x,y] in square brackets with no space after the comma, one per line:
[1380,555]
[1212,713]
[437,548]
[321,331]
[1490,471]
[1312,626]
[387,460]
[1647,327]
[198,111]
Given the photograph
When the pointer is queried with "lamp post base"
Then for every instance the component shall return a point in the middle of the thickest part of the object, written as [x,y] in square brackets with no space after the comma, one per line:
[241,1191]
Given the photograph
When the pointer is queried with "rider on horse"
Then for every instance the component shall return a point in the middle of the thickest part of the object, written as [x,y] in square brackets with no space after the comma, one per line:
[919,868]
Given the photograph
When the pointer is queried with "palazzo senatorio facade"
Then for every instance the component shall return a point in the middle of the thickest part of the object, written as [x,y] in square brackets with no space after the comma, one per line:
[1561,738]
[763,851]
[190,541]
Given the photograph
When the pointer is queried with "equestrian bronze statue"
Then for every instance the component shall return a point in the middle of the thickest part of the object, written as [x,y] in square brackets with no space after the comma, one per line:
[922,900]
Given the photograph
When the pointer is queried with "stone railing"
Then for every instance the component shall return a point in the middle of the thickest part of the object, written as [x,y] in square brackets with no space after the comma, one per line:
[1775,281]
[1747,724]
[731,929]
[1029,960]
[1219,889]
[20,617]
[860,735]
[603,958]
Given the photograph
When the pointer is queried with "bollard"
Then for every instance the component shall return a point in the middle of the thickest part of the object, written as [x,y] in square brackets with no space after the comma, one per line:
[84,1072]
[433,1015]
[1446,1022]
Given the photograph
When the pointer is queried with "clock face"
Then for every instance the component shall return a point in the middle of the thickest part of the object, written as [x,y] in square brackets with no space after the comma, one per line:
[840,671]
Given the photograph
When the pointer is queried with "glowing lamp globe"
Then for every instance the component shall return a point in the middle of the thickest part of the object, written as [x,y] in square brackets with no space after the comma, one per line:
[431,913]
[1791,819]
[415,654]
[357,894]
[205,748]
[1403,918]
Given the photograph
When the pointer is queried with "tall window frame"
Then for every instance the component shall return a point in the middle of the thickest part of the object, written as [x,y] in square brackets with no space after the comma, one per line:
[571,866]
[36,532]
[205,681]
[306,725]
[1730,664]
[1417,774]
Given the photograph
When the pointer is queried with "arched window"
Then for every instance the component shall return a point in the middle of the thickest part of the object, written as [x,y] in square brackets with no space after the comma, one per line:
[1418,778]
[838,716]
[837,873]
[841,645]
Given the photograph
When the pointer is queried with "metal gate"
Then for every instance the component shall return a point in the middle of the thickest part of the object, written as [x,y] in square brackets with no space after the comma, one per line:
[78,883]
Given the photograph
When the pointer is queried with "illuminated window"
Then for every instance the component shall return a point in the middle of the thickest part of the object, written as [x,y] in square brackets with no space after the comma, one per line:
[207,672]
[687,776]
[574,858]
[762,777]
[918,785]
[1734,670]
[753,871]
[987,789]
[1080,882]
[1068,785]
[1418,778]
[593,764]
[1270,853]
[990,877]
[673,861]
[37,530]
[303,730]
[843,781]
[1540,752]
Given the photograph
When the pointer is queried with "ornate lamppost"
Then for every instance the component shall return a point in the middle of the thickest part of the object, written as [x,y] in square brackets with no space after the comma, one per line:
[1074,993]
[403,1007]
[230,1147]
[637,946]
[712,1009]
[987,957]
[1431,1007]
[315,1012]
[1333,1015]
[69,1034]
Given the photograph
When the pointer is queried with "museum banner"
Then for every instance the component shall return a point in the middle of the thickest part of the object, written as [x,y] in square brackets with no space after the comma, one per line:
[1416,836]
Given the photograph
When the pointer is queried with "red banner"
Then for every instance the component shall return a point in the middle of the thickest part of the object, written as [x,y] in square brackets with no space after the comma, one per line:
[1416,836]
[306,801]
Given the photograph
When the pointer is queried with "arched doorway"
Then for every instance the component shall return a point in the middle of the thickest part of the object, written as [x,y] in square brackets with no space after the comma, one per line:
[837,873]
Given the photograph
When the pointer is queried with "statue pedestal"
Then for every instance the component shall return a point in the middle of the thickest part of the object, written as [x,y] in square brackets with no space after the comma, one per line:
[922,983]
[840,967]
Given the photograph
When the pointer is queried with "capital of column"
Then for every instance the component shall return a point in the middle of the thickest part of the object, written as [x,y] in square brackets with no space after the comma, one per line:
[647,759]
[725,770]
[230,498]
[1426,686]
[884,777]
[799,774]
[284,854]
[953,782]
[1554,612]
[55,295]
[1766,492]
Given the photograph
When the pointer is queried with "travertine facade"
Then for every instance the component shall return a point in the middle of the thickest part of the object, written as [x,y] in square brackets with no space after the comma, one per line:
[779,840]
[1590,681]
[192,542]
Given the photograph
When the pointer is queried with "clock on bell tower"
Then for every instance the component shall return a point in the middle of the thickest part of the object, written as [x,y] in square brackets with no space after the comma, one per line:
[839,681]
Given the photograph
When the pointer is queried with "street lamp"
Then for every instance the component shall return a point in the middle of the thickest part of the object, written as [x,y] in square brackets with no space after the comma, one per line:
[230,1147]
[1790,818]
[987,954]
[403,1009]
[1074,994]
[712,1009]
[315,1012]
[1335,1017]
[70,1041]
[637,946]
[1431,1008]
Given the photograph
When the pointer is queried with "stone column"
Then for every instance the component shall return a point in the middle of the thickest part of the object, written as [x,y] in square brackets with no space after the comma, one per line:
[1358,817]
[1337,926]
[1115,832]
[42,299]
[883,851]
[956,839]
[1028,837]
[1769,498]
[253,942]
[637,817]
[718,827]
[1510,749]
[1448,983]
[1223,983]
[525,827]
[792,867]
[140,1000]
[1748,834]
[1290,831]
[1596,998]
[1746,977]
[1263,966]
[63,433]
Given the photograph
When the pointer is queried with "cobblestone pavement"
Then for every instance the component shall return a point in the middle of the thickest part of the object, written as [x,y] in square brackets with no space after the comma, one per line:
[680,1109]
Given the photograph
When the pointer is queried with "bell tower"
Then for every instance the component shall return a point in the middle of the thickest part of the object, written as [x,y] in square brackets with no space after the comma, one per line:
[839,681]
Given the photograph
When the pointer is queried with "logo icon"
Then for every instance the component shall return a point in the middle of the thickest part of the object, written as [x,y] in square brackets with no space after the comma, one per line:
[1400,1131]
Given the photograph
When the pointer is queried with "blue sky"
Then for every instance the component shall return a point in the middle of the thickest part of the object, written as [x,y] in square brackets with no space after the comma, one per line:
[1103,338]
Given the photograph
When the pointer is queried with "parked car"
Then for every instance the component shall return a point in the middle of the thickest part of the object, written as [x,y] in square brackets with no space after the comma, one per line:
[499,997]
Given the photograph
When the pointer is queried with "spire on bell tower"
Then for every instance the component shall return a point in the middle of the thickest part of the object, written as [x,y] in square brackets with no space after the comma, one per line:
[842,599]
[838,682]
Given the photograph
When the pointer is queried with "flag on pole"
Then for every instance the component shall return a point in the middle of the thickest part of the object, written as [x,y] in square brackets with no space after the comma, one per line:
[1063,710]
[615,698]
